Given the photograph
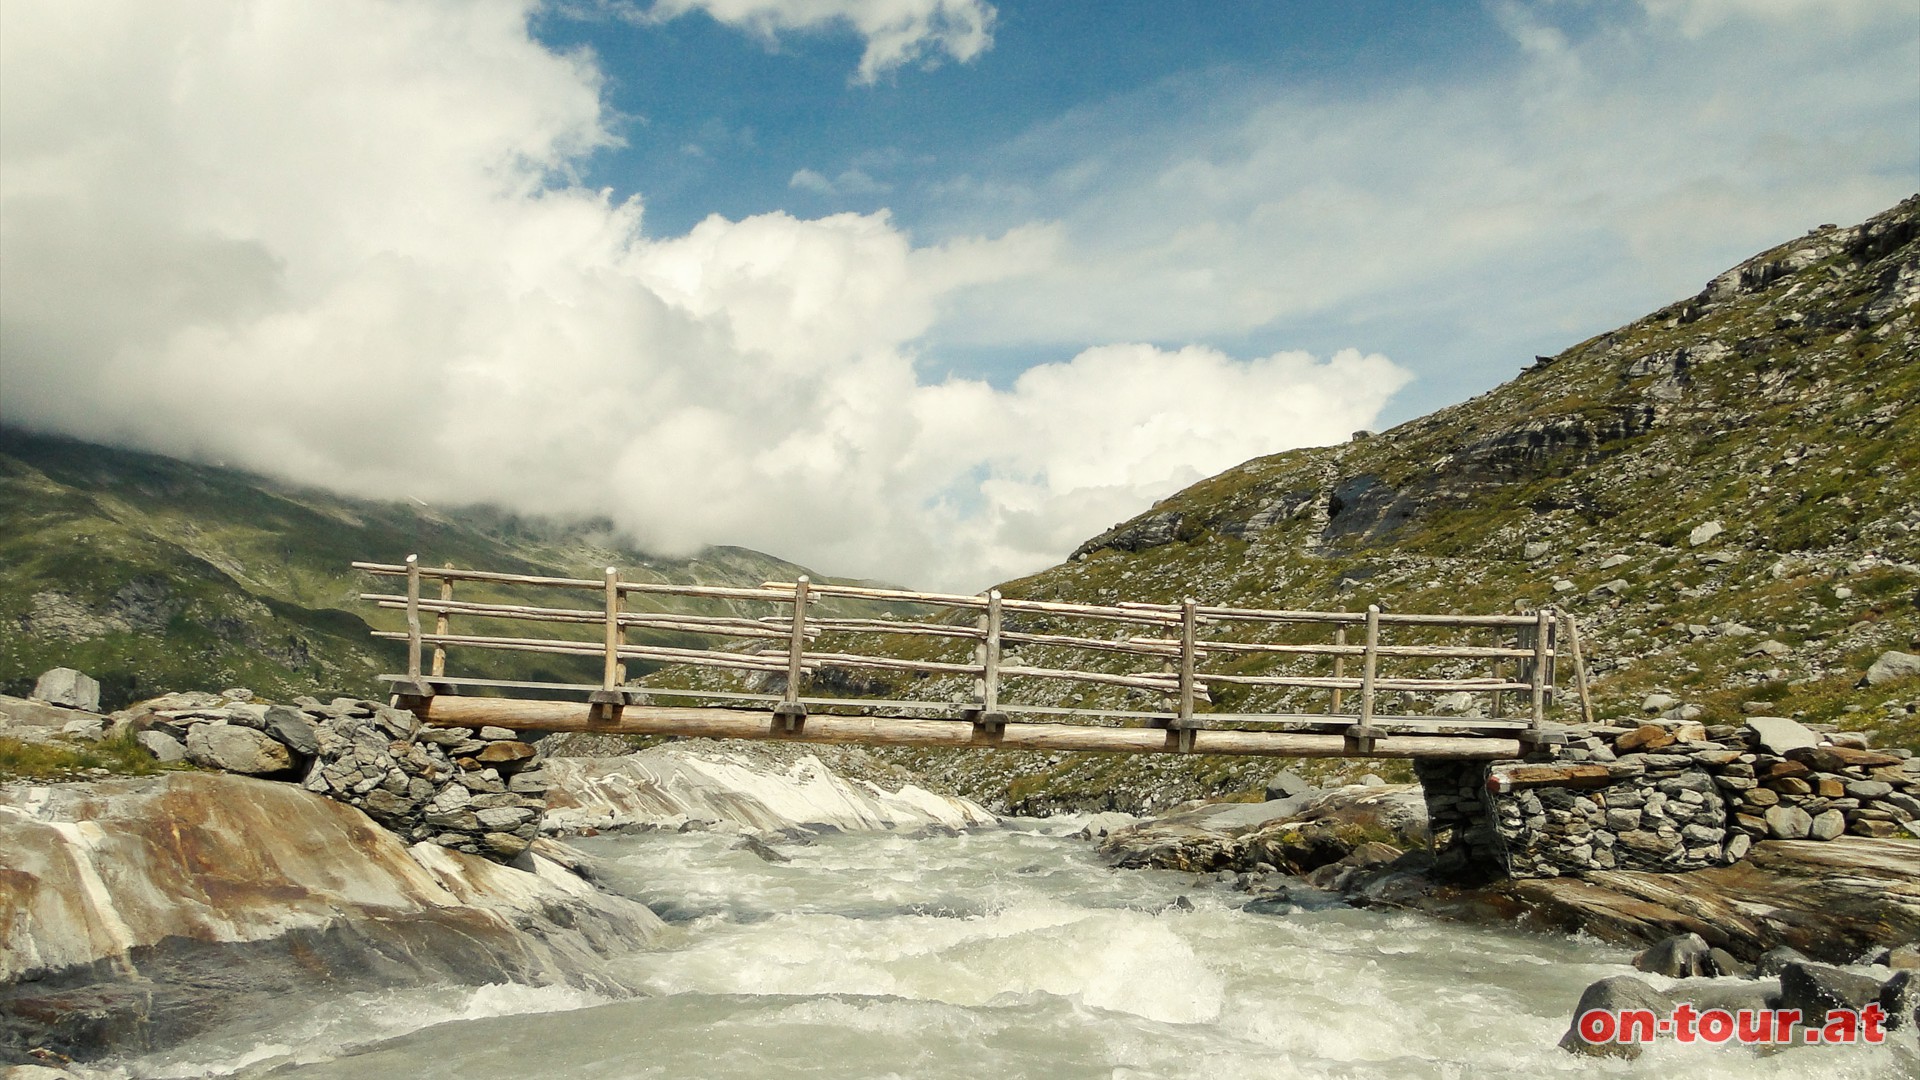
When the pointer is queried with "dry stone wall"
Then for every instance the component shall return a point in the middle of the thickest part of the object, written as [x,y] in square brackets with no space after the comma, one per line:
[478,791]
[1668,796]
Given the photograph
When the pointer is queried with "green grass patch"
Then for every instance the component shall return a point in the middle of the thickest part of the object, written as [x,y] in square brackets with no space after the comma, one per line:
[118,755]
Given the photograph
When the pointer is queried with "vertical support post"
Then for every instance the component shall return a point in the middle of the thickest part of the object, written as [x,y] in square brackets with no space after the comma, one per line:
[986,715]
[610,668]
[442,622]
[990,669]
[1189,626]
[1579,668]
[604,704]
[982,624]
[413,619]
[1339,665]
[1361,736]
[790,711]
[1499,707]
[1543,628]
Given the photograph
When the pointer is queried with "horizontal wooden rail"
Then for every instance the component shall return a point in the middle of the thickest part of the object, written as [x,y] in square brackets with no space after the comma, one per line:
[711,592]
[656,620]
[1351,618]
[557,647]
[979,603]
[1159,646]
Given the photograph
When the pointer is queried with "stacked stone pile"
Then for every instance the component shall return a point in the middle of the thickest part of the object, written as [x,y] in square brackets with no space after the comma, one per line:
[481,791]
[1671,795]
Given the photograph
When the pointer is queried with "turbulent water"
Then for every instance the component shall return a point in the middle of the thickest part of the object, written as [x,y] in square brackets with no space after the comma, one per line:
[1008,953]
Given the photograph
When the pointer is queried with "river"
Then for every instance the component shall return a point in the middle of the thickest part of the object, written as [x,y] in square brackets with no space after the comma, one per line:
[1002,953]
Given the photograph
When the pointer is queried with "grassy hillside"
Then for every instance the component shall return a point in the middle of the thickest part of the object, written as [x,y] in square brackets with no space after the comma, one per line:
[154,574]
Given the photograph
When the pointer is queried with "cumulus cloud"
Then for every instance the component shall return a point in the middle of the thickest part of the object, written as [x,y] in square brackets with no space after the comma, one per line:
[339,243]
[897,32]
[1613,159]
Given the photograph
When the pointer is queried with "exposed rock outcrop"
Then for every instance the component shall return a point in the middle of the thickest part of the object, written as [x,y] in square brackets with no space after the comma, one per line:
[1833,900]
[1298,834]
[140,911]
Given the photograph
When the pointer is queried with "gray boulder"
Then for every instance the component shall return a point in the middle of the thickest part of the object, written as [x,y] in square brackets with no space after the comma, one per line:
[1682,956]
[1892,666]
[1816,989]
[231,748]
[1287,783]
[1612,995]
[292,727]
[68,688]
[1788,823]
[1704,533]
[1726,965]
[1778,734]
[1900,997]
[164,748]
[88,728]
[1827,825]
[1775,960]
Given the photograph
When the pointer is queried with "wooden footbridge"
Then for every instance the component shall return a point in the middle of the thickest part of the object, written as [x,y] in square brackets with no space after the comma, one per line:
[1197,653]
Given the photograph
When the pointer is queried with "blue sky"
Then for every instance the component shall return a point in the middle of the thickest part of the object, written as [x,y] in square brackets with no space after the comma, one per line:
[717,121]
[927,290]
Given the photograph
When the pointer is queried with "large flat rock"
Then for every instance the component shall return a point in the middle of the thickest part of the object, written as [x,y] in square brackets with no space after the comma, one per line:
[139,911]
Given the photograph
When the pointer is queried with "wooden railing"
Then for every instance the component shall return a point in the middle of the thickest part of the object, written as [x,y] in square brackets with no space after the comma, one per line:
[1175,636]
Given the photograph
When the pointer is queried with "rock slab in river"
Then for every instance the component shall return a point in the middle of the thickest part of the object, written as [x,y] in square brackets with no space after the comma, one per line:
[144,910]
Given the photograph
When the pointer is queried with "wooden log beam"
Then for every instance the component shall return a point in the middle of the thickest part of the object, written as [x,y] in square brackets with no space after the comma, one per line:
[1516,777]
[903,731]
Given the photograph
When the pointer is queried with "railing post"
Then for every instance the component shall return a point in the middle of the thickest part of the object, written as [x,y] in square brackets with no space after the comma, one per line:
[789,711]
[606,703]
[1339,666]
[991,719]
[1579,667]
[442,622]
[1189,620]
[1543,628]
[610,669]
[413,619]
[1361,736]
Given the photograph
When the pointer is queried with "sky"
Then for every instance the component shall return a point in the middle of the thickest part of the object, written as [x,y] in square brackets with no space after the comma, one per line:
[921,290]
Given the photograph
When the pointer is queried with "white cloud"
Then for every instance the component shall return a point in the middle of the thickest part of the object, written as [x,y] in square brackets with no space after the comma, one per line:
[849,182]
[897,32]
[338,243]
[1612,161]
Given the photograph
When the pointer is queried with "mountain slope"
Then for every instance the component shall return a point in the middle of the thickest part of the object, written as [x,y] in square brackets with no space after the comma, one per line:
[1739,468]
[154,574]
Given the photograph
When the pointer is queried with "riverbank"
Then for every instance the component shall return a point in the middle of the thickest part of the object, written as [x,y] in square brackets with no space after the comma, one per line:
[1833,900]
